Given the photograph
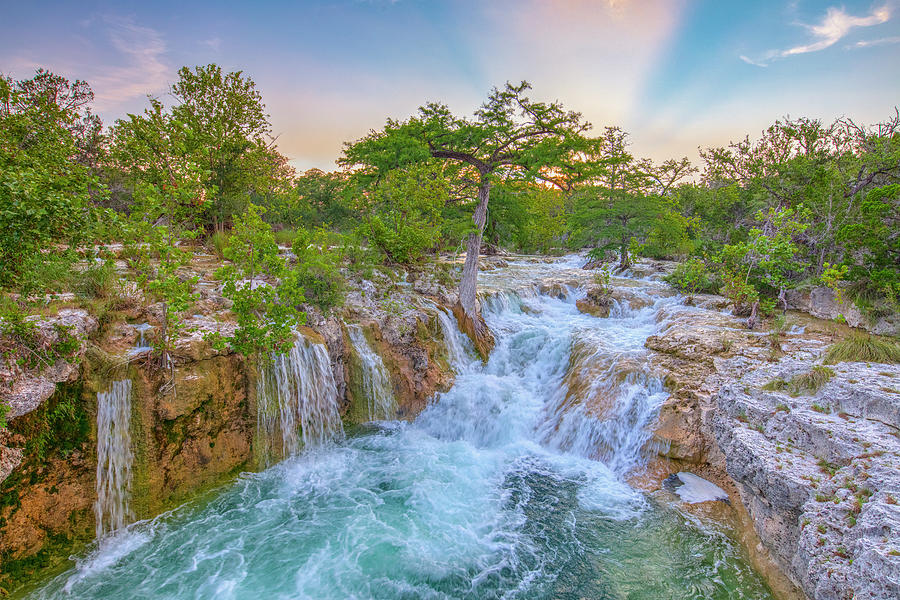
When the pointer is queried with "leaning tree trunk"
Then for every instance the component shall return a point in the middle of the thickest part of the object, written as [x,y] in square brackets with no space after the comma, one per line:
[466,310]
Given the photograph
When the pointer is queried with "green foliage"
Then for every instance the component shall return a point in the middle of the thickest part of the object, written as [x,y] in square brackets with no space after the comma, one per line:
[403,213]
[545,221]
[317,271]
[48,141]
[602,279]
[285,237]
[98,280]
[626,202]
[317,199]
[23,344]
[763,262]
[863,348]
[264,292]
[742,295]
[832,276]
[168,215]
[672,235]
[872,243]
[844,175]
[692,277]
[219,131]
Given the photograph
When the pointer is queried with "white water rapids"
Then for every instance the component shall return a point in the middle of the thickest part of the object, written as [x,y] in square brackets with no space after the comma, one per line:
[510,485]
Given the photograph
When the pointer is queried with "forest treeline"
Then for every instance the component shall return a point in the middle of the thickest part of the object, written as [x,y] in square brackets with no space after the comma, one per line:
[806,203]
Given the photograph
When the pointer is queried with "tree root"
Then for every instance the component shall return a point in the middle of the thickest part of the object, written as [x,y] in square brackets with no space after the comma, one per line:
[476,329]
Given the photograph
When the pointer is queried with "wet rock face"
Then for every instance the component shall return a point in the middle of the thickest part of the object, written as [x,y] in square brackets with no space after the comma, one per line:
[194,436]
[415,358]
[820,474]
[597,302]
[46,499]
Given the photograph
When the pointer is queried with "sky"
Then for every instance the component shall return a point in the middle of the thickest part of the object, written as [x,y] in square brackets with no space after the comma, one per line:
[676,74]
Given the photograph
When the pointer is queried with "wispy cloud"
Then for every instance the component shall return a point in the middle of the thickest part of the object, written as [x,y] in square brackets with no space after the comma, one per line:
[214,43]
[750,61]
[834,26]
[142,50]
[879,42]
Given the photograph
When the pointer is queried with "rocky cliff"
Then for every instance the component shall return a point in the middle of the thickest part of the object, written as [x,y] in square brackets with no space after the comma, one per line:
[812,450]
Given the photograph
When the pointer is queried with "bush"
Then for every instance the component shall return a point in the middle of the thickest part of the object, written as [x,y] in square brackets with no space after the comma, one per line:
[317,269]
[741,293]
[863,348]
[692,277]
[262,288]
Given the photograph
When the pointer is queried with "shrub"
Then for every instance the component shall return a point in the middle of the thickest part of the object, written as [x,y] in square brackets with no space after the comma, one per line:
[863,348]
[602,280]
[692,277]
[743,295]
[264,291]
[317,269]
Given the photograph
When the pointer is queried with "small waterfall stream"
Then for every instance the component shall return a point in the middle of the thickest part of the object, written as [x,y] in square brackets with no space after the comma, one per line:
[297,401]
[509,485]
[375,384]
[114,458]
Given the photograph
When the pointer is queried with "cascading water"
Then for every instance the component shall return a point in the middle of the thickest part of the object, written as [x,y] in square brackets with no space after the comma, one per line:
[454,341]
[297,401]
[375,384]
[112,509]
[510,485]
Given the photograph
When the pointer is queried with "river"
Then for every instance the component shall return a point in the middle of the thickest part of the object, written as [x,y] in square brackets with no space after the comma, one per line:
[506,486]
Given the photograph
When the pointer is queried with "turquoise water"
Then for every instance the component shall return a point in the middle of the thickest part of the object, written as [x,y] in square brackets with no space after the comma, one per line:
[490,493]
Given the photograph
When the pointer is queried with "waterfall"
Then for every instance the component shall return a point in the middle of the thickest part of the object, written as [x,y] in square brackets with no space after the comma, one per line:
[454,340]
[376,384]
[298,399]
[114,458]
[143,345]
[511,484]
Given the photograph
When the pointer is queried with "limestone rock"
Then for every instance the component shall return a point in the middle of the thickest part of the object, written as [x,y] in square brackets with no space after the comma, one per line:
[820,302]
[24,389]
[817,474]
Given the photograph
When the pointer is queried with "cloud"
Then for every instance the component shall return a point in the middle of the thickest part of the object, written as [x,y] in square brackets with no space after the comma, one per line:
[879,42]
[835,25]
[142,51]
[750,61]
[214,44]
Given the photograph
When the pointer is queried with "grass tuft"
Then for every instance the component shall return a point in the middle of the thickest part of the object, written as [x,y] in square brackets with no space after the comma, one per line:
[285,237]
[863,348]
[808,384]
[805,384]
[217,243]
